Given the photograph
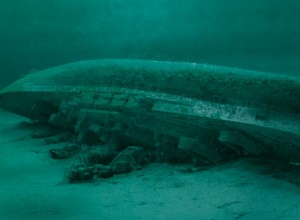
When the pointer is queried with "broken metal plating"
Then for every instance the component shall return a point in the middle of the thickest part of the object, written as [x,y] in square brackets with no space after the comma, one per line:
[182,111]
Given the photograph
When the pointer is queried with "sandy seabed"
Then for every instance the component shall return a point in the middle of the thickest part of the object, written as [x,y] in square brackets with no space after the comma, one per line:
[32,186]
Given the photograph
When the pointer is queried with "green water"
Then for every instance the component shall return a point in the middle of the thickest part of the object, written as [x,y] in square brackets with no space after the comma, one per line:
[260,35]
[243,113]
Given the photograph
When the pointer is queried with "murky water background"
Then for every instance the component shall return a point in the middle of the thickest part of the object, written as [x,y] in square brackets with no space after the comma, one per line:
[260,35]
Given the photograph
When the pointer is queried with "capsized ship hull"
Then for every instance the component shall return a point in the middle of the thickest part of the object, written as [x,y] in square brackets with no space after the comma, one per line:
[176,108]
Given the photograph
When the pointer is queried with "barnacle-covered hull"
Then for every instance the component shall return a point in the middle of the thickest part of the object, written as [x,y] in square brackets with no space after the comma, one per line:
[181,110]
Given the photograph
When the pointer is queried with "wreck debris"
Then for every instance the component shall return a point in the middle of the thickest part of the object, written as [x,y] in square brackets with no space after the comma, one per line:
[132,158]
[67,151]
[82,172]
[180,112]
[101,154]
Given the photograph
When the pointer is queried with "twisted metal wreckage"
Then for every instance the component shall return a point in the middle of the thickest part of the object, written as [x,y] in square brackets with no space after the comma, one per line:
[174,112]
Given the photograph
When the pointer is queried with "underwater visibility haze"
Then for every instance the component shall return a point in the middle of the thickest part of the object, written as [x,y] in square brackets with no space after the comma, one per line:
[116,109]
[259,35]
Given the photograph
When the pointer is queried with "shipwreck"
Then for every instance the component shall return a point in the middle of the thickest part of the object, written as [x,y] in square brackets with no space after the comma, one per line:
[180,111]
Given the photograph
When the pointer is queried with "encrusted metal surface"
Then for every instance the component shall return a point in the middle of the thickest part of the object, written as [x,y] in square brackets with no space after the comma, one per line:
[181,109]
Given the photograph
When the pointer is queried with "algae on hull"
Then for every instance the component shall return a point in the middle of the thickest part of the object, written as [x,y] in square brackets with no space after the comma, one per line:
[179,110]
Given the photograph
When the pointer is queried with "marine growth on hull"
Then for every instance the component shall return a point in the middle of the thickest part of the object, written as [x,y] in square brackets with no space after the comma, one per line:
[117,116]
